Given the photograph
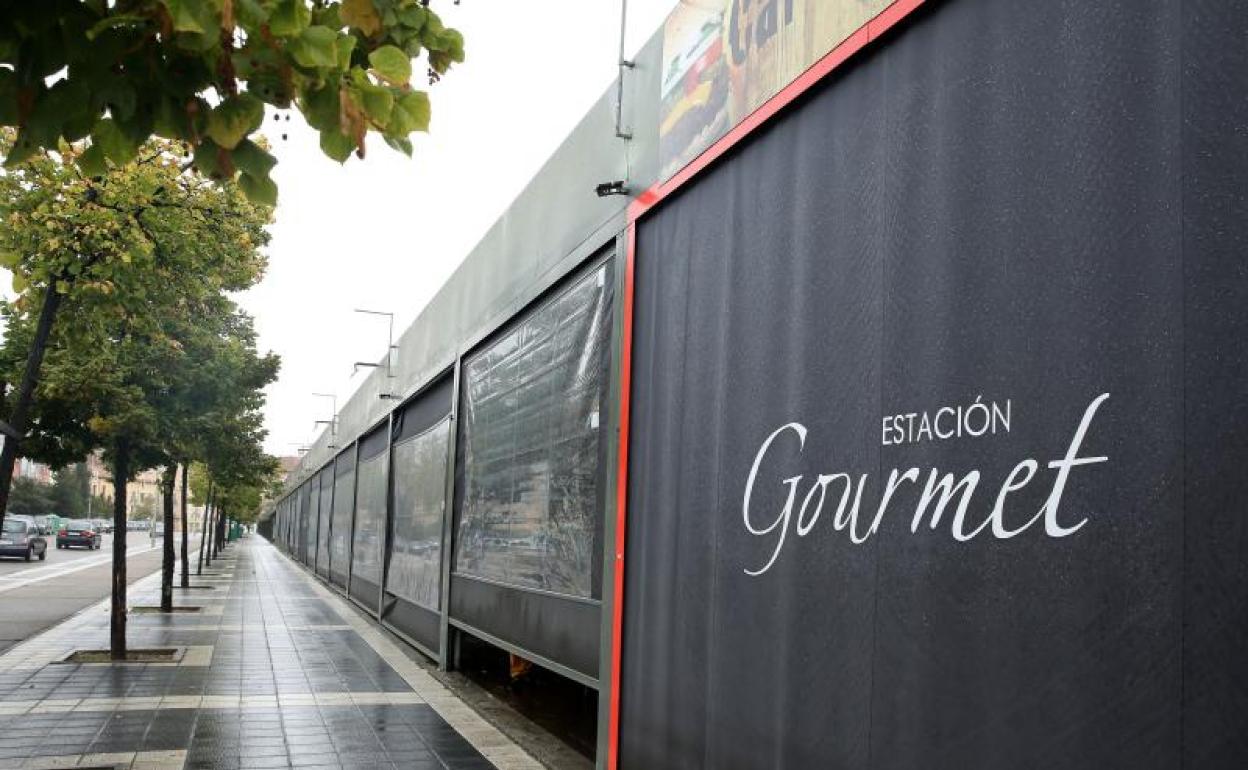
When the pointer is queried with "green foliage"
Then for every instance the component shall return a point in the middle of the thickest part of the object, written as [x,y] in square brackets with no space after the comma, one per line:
[201,71]
[71,492]
[31,498]
[149,356]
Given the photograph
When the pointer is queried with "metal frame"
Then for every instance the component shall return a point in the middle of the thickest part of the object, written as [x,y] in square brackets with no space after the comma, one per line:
[453,369]
[386,519]
[355,484]
[448,525]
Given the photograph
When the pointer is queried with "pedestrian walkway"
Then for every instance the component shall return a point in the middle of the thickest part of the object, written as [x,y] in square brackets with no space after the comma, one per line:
[272,671]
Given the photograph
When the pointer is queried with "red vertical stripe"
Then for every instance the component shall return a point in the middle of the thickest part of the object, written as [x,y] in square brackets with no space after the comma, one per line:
[621,499]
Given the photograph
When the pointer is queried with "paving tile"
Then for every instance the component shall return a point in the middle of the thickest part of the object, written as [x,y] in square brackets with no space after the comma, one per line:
[278,672]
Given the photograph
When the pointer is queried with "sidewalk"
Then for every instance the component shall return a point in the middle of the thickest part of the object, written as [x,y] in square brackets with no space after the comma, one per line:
[276,671]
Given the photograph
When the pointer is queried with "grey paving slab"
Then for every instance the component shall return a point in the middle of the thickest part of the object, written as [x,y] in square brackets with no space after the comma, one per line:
[277,672]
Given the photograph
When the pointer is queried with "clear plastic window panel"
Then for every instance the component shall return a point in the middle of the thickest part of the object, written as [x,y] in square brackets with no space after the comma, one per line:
[296,523]
[310,522]
[324,511]
[340,529]
[531,432]
[370,520]
[419,505]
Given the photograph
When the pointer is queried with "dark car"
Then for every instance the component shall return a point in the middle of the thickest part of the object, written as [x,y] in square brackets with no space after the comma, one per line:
[79,532]
[20,538]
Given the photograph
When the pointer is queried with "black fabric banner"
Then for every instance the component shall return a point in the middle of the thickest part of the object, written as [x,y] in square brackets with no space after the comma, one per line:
[426,409]
[938,427]
[324,517]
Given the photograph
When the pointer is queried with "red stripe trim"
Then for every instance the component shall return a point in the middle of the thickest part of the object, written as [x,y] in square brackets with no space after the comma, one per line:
[647,200]
[621,501]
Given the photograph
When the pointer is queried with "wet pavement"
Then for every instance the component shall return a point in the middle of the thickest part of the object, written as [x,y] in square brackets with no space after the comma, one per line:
[274,671]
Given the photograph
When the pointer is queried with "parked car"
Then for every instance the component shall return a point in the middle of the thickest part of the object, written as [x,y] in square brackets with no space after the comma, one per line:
[21,538]
[22,517]
[78,532]
[157,530]
[103,525]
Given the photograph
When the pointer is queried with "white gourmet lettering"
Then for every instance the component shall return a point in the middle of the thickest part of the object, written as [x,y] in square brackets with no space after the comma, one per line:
[975,419]
[938,492]
[793,481]
[947,487]
[1051,527]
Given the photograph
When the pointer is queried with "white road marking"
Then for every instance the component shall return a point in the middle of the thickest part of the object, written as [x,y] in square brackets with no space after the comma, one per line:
[69,569]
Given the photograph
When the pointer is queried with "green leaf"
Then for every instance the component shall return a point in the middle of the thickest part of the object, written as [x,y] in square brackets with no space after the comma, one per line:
[19,283]
[316,47]
[252,160]
[117,146]
[411,113]
[336,144]
[250,13]
[260,190]
[402,144]
[189,15]
[119,97]
[23,149]
[92,162]
[289,18]
[207,161]
[362,15]
[320,108]
[234,119]
[344,47]
[9,259]
[391,64]
[414,16]
[377,102]
[62,287]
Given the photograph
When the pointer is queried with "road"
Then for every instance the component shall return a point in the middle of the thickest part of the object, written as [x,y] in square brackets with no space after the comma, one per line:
[38,594]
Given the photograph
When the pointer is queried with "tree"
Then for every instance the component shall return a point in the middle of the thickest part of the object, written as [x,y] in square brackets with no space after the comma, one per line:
[202,71]
[31,498]
[218,379]
[119,351]
[71,491]
[109,244]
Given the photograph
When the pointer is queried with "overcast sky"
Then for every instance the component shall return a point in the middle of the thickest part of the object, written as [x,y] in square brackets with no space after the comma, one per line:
[386,232]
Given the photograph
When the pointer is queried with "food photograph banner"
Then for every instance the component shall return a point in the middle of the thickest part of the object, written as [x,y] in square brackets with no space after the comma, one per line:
[724,58]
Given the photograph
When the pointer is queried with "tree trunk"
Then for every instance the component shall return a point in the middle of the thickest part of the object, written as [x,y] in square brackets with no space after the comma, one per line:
[26,392]
[167,481]
[203,539]
[186,532]
[117,620]
[212,530]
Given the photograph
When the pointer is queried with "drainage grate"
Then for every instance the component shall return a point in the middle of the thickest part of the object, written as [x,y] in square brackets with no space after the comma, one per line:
[154,609]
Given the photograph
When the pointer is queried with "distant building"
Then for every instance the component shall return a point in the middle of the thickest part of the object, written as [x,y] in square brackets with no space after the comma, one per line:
[288,464]
[143,494]
[29,469]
